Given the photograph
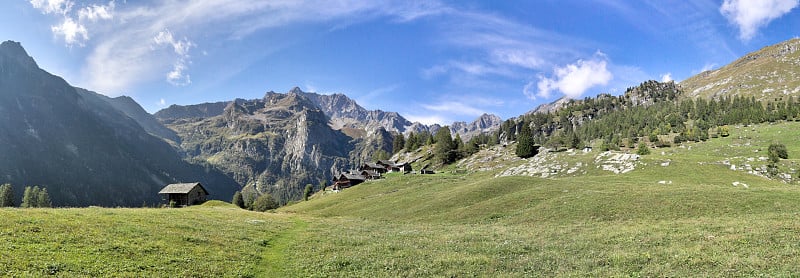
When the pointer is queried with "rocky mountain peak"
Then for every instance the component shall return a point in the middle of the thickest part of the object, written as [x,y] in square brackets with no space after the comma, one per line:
[15,53]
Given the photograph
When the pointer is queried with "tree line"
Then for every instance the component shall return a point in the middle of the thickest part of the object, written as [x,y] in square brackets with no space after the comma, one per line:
[652,114]
[33,197]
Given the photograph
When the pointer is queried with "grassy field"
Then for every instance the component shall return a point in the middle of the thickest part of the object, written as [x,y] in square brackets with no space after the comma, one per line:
[447,225]
[203,241]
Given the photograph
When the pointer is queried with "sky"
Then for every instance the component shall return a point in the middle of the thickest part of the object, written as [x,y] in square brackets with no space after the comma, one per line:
[431,61]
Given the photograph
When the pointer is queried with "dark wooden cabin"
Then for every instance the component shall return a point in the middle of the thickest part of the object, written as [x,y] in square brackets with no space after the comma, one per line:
[347,180]
[184,194]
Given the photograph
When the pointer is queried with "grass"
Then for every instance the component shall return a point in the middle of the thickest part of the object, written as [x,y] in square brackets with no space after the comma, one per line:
[204,241]
[453,225]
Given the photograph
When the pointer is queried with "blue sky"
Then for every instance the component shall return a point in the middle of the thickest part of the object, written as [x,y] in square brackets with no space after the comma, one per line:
[432,61]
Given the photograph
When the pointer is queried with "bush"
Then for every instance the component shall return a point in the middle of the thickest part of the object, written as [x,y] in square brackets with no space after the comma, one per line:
[238,200]
[643,149]
[264,202]
[778,150]
[308,191]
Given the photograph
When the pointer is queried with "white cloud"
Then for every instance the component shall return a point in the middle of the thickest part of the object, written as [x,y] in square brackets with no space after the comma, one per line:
[162,103]
[73,32]
[667,77]
[454,107]
[428,119]
[95,12]
[574,79]
[125,51]
[177,76]
[751,15]
[61,7]
[73,29]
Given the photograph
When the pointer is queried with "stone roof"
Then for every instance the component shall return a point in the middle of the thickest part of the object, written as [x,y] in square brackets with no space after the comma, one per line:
[181,188]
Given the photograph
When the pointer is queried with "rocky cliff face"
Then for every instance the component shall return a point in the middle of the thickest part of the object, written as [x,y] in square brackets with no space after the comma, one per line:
[276,144]
[345,113]
[484,124]
[79,146]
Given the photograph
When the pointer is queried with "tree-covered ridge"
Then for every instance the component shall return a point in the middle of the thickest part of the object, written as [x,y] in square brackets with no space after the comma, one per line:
[653,111]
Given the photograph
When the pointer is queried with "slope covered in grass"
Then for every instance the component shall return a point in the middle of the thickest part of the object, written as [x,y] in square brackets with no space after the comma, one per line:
[693,216]
[203,241]
[682,218]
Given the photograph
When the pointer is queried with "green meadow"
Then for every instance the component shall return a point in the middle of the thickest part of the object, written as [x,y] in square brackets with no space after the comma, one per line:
[707,220]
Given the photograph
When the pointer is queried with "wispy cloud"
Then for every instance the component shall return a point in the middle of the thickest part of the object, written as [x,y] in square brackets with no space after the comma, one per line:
[507,48]
[751,15]
[73,29]
[428,119]
[118,34]
[574,79]
[178,75]
[454,107]
[61,7]
[94,13]
[667,77]
[73,32]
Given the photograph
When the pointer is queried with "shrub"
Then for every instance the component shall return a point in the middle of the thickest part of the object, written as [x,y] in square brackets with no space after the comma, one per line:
[308,191]
[264,202]
[643,149]
[238,200]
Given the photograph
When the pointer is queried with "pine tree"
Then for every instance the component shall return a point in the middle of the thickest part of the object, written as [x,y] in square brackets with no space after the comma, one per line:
[458,147]
[43,199]
[6,195]
[249,199]
[525,145]
[238,200]
[398,143]
[412,143]
[28,198]
[444,149]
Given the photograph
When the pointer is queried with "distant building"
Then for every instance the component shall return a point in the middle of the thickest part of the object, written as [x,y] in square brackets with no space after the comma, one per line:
[347,180]
[373,167]
[392,166]
[184,194]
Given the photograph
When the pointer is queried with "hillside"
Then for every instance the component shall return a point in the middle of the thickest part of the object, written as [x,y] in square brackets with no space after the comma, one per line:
[767,74]
[704,219]
[79,146]
[685,212]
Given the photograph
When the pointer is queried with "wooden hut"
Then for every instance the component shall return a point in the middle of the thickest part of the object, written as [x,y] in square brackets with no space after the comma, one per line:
[347,180]
[184,194]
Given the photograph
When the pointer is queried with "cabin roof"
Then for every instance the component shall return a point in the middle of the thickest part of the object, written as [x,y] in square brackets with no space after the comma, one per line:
[178,188]
[353,177]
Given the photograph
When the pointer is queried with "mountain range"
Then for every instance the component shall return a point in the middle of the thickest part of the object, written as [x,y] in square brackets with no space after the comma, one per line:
[89,149]
[81,146]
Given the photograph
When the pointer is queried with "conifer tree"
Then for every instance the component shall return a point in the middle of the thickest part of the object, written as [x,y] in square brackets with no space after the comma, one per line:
[444,149]
[28,198]
[238,200]
[6,195]
[398,143]
[412,143]
[525,145]
[43,199]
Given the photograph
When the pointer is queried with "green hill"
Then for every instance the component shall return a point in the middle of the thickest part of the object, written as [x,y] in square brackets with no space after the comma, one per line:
[768,74]
[681,211]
